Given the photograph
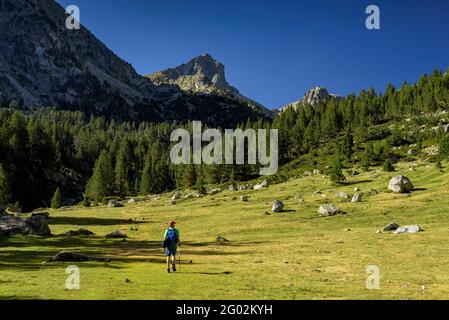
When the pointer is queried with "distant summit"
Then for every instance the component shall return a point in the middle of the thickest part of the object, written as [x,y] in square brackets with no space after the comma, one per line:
[203,75]
[312,97]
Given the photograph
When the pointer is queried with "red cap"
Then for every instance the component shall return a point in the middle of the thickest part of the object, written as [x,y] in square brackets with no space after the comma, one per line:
[172,223]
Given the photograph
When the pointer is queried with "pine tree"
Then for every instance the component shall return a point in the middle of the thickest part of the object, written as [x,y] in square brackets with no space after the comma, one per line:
[199,186]
[347,145]
[86,201]
[388,165]
[122,183]
[5,188]
[367,157]
[444,146]
[337,175]
[56,202]
[101,184]
[189,176]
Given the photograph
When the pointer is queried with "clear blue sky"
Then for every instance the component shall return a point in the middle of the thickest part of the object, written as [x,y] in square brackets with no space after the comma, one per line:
[274,51]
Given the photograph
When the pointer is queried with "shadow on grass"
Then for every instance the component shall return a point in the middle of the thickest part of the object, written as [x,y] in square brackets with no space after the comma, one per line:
[29,253]
[91,221]
[226,273]
[419,189]
[351,183]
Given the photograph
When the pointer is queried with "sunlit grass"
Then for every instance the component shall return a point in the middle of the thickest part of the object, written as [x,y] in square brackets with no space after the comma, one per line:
[290,255]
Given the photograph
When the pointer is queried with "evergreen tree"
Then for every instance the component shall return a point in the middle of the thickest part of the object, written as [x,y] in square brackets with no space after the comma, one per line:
[337,175]
[444,146]
[189,176]
[56,201]
[199,186]
[101,184]
[367,156]
[122,169]
[388,165]
[5,188]
[347,145]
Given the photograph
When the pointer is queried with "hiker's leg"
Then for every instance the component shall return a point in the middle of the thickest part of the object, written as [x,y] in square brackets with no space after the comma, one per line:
[173,260]
[168,262]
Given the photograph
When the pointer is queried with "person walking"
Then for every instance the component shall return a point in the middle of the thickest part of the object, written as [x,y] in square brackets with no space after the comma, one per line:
[171,244]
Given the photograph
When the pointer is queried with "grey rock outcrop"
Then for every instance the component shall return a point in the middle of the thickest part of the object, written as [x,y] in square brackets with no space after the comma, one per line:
[278,206]
[328,210]
[117,235]
[36,225]
[400,184]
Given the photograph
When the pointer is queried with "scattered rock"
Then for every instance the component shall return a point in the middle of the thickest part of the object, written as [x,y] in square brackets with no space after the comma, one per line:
[390,227]
[37,225]
[80,232]
[342,195]
[132,200]
[328,210]
[408,229]
[244,198]
[114,204]
[117,235]
[356,189]
[233,187]
[221,239]
[317,192]
[316,171]
[65,256]
[356,198]
[373,192]
[172,202]
[214,191]
[127,281]
[400,184]
[278,206]
[176,196]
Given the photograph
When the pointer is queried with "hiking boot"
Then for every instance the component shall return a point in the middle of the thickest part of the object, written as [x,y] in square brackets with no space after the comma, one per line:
[174,268]
[168,270]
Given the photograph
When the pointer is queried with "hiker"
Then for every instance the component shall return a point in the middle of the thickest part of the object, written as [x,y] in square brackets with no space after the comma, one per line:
[170,244]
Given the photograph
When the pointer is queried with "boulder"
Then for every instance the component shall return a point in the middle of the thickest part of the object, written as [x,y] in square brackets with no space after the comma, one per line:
[328,210]
[390,227]
[114,204]
[177,196]
[221,239]
[342,195]
[132,200]
[117,235]
[65,256]
[233,187]
[278,206]
[36,225]
[356,198]
[400,184]
[244,198]
[80,232]
[214,191]
[408,229]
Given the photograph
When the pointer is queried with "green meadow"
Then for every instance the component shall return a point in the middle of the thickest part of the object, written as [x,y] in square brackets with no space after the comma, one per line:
[295,254]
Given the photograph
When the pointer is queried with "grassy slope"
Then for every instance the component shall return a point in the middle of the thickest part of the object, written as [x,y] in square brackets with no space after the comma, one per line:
[292,255]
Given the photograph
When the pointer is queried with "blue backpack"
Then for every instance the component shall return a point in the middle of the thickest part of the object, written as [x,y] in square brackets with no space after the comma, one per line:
[171,239]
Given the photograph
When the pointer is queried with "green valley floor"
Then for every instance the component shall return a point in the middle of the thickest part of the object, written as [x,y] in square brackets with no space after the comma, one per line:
[295,254]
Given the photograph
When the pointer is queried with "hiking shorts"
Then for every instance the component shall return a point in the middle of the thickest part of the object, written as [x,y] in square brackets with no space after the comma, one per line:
[171,251]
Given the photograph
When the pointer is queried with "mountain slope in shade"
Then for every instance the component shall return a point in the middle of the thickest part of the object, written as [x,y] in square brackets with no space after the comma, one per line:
[42,63]
[312,97]
[204,75]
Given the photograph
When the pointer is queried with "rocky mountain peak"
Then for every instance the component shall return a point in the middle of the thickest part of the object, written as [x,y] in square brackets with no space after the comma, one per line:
[313,97]
[202,68]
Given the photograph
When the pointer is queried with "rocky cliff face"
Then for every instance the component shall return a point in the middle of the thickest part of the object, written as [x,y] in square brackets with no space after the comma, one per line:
[42,63]
[204,75]
[312,97]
